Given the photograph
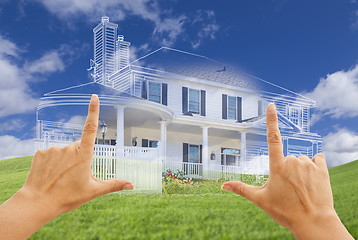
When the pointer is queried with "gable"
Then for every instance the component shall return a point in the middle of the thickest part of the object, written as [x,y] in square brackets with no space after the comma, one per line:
[283,123]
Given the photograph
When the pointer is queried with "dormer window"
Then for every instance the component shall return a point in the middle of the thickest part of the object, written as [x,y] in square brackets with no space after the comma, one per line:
[231,110]
[231,107]
[194,100]
[295,115]
[154,92]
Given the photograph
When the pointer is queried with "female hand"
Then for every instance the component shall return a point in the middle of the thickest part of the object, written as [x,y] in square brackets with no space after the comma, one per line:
[297,194]
[60,180]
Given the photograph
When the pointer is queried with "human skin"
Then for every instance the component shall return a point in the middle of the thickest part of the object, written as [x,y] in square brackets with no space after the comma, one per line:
[60,180]
[297,194]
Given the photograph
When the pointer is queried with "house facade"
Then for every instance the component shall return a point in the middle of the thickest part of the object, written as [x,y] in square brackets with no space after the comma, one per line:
[184,110]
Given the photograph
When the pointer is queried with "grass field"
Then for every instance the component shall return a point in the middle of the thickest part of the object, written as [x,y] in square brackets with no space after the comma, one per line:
[215,215]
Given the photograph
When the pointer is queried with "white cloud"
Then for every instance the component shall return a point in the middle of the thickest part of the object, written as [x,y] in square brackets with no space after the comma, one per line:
[11,147]
[340,147]
[50,62]
[207,26]
[167,27]
[12,125]
[336,94]
[8,48]
[15,94]
[77,119]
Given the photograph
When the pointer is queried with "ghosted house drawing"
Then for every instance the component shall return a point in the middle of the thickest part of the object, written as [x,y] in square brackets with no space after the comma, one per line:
[191,112]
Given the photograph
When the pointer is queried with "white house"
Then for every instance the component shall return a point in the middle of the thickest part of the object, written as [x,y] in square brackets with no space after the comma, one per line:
[206,116]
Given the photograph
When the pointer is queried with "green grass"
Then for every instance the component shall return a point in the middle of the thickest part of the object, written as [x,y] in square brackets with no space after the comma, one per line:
[217,215]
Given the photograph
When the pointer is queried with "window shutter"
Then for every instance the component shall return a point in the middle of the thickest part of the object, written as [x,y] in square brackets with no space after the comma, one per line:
[185,99]
[145,143]
[203,104]
[185,152]
[239,109]
[224,106]
[222,156]
[260,110]
[144,89]
[201,153]
[164,94]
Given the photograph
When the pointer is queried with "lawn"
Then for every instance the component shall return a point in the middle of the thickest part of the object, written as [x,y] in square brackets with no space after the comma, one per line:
[213,215]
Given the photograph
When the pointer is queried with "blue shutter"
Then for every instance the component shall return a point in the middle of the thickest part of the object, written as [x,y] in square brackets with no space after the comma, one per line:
[185,99]
[239,109]
[185,152]
[145,143]
[201,153]
[144,89]
[203,98]
[260,110]
[165,94]
[224,106]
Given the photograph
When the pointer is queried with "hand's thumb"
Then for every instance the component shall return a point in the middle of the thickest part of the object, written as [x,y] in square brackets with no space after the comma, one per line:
[243,189]
[115,185]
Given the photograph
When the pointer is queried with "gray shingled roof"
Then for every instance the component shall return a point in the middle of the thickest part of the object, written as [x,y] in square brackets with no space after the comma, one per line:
[200,67]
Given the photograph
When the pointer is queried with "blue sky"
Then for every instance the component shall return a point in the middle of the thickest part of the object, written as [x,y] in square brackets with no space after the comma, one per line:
[309,47]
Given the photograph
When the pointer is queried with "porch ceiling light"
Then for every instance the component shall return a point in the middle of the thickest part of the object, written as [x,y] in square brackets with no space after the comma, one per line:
[103,127]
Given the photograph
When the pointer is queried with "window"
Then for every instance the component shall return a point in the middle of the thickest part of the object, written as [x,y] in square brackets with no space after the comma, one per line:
[149,143]
[295,115]
[262,107]
[194,101]
[193,154]
[230,157]
[154,92]
[153,143]
[231,110]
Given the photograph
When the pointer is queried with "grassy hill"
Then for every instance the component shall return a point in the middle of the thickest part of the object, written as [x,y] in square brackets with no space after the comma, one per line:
[220,215]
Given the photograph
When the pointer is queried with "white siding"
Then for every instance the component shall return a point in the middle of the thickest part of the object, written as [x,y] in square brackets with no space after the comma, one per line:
[213,96]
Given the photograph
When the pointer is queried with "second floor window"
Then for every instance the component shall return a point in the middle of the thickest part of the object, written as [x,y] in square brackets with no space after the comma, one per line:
[154,92]
[231,110]
[194,100]
[295,115]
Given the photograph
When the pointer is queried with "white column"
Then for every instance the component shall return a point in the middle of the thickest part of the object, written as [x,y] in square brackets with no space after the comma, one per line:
[314,148]
[243,148]
[205,151]
[163,139]
[120,126]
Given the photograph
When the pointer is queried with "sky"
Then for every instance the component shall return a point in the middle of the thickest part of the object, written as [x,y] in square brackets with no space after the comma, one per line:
[310,47]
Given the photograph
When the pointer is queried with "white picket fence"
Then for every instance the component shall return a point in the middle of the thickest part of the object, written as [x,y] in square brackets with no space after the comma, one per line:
[140,166]
[144,167]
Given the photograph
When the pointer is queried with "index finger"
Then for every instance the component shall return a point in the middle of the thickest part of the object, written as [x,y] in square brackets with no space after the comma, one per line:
[90,129]
[274,141]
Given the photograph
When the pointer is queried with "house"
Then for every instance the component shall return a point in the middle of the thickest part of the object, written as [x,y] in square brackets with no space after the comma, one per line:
[189,111]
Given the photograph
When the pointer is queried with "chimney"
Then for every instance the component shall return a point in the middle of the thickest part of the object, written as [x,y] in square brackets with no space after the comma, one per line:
[122,52]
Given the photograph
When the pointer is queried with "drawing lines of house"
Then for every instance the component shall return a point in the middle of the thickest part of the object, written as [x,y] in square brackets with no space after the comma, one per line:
[174,109]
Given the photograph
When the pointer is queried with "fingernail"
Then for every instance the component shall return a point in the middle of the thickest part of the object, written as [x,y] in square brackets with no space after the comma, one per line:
[226,188]
[127,186]
[271,108]
[94,99]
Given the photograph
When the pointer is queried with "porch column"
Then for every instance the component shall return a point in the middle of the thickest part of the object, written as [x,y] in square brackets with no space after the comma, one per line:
[243,148]
[205,151]
[120,127]
[314,148]
[163,139]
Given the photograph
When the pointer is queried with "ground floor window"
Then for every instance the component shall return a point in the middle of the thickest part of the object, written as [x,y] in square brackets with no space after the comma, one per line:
[193,154]
[106,141]
[149,143]
[230,156]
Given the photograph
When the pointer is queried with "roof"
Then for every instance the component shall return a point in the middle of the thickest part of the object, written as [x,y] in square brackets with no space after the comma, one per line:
[200,67]
[89,89]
